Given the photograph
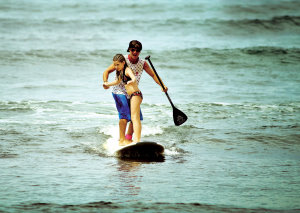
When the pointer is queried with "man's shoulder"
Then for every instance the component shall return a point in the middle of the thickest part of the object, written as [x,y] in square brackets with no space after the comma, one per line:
[141,61]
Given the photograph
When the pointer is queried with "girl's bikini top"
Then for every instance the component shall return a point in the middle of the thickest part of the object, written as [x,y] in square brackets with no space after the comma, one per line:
[124,78]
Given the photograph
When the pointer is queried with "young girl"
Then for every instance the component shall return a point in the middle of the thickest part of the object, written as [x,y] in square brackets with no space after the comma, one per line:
[125,74]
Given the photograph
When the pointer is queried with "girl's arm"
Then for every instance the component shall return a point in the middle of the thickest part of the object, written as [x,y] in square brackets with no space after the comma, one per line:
[129,73]
[106,73]
[115,82]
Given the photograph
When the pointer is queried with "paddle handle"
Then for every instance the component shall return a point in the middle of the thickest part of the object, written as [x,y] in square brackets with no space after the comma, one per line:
[162,85]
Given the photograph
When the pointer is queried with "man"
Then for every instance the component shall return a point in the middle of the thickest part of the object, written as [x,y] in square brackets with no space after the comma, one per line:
[119,93]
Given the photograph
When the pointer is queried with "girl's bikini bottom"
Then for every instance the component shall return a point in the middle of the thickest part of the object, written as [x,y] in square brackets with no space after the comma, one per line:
[138,93]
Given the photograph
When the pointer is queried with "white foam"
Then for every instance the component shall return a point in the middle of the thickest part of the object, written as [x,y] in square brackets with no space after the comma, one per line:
[171,151]
[111,130]
[151,130]
[111,146]
[112,143]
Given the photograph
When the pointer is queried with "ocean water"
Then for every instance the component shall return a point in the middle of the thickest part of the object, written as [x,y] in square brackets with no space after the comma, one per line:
[231,66]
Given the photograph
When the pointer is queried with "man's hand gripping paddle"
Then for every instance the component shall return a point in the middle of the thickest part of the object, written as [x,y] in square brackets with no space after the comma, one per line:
[178,116]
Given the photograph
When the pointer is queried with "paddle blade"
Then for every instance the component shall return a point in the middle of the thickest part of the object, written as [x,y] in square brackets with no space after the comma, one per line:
[179,117]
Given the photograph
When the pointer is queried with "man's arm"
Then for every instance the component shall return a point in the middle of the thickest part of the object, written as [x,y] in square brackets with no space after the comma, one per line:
[148,69]
[106,73]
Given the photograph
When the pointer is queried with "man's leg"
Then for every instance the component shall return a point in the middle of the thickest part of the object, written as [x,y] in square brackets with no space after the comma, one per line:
[124,115]
[122,129]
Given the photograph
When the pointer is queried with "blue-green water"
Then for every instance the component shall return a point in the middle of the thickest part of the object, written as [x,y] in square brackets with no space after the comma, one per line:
[231,66]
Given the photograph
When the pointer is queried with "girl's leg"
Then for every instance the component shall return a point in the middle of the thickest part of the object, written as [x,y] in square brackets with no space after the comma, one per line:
[135,103]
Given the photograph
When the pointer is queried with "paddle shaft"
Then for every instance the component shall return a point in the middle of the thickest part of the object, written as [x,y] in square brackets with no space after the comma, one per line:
[178,116]
[148,58]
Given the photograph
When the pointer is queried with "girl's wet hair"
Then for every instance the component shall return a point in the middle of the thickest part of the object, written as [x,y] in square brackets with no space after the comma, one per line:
[119,58]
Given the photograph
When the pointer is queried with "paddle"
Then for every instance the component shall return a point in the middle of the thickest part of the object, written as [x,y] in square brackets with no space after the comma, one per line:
[178,116]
